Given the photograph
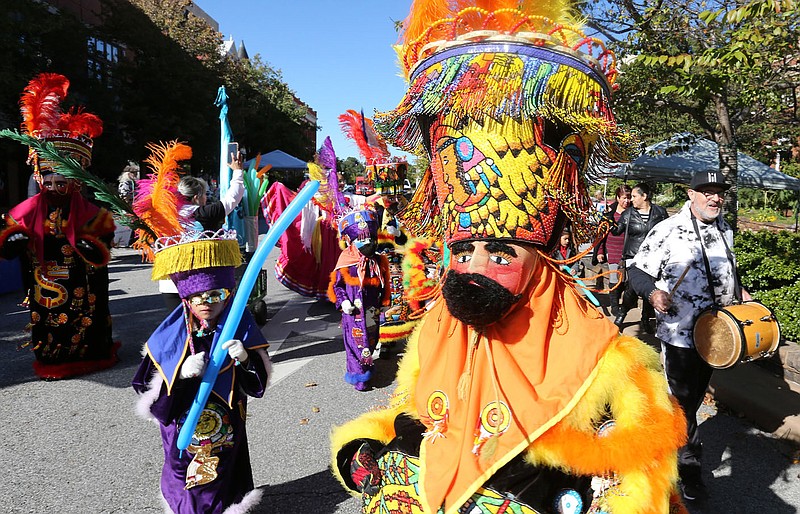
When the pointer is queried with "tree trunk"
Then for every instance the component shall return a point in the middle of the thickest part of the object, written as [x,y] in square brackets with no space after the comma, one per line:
[728,158]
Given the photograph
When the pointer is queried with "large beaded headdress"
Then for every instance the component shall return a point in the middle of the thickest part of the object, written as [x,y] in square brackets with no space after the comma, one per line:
[511,103]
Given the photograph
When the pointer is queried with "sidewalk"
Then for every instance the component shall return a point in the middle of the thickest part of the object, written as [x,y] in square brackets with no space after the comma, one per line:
[766,392]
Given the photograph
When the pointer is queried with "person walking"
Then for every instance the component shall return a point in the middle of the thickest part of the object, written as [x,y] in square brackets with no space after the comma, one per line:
[696,240]
[197,213]
[610,248]
[637,220]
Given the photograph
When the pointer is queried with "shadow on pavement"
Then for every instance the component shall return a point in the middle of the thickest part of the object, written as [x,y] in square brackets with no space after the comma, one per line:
[319,493]
[740,466]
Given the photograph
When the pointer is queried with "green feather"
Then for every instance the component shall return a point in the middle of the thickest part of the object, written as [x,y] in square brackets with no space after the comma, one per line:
[69,167]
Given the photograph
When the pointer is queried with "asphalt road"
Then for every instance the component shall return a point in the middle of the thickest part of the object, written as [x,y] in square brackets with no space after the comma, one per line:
[76,446]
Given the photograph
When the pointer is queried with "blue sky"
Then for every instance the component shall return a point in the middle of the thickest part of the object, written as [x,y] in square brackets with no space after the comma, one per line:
[334,54]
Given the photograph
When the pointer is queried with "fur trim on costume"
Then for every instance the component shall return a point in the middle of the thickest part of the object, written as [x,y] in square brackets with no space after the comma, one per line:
[149,397]
[11,230]
[267,364]
[351,280]
[76,368]
[354,378]
[631,389]
[399,332]
[250,500]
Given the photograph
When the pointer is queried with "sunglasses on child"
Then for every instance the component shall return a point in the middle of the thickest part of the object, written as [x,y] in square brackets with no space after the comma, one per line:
[210,297]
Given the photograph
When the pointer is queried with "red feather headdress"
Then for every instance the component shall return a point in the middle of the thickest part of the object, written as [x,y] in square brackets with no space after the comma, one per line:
[358,128]
[42,117]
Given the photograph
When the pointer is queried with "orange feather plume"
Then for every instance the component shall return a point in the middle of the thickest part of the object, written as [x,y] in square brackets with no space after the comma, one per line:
[157,201]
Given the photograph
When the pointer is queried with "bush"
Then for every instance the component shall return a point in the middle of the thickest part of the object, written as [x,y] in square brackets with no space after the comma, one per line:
[768,270]
[784,302]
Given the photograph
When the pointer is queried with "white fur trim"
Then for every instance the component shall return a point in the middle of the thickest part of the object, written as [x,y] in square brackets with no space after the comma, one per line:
[249,501]
[267,364]
[149,397]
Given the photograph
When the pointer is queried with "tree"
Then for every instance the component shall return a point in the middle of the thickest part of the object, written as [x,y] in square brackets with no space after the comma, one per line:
[350,168]
[717,65]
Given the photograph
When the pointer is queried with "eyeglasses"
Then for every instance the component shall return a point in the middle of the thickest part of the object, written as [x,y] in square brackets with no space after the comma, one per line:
[709,194]
[210,297]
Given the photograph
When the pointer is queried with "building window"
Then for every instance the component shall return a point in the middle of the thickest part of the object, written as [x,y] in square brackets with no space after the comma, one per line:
[103,58]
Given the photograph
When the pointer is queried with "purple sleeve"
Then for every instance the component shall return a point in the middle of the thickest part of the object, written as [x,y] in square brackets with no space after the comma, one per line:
[340,289]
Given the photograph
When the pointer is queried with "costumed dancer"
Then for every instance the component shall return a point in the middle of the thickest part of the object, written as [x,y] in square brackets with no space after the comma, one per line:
[310,246]
[214,474]
[388,175]
[514,392]
[66,240]
[359,287]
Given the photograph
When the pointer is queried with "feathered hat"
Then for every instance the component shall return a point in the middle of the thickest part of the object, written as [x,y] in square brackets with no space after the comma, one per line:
[70,132]
[387,173]
[195,260]
[511,102]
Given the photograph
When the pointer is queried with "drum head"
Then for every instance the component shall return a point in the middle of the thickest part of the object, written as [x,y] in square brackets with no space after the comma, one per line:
[717,339]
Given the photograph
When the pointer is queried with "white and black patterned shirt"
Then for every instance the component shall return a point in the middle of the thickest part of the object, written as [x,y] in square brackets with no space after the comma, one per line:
[667,250]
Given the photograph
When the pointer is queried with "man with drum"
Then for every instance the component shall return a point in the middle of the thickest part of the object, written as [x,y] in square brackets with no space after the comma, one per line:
[684,266]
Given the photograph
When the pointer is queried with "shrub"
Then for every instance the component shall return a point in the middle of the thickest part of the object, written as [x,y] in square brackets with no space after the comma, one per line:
[768,270]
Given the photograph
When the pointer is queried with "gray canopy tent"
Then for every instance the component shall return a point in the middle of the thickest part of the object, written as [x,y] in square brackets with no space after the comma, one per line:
[662,162]
[658,163]
[285,168]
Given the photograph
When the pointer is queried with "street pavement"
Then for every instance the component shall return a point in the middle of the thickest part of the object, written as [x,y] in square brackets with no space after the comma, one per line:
[76,446]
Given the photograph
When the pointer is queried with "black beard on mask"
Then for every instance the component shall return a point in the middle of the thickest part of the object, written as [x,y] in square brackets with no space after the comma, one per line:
[368,250]
[56,199]
[476,300]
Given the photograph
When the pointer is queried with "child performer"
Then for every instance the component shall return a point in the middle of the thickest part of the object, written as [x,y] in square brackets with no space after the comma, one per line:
[214,473]
[359,287]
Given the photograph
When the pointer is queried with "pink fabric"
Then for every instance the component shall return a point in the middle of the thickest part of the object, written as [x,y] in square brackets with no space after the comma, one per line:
[32,213]
[296,268]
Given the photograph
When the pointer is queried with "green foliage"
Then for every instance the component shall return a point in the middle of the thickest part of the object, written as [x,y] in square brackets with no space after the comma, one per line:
[767,260]
[768,270]
[783,302]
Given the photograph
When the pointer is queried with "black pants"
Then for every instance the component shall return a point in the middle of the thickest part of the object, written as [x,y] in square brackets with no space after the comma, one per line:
[687,377]
[630,300]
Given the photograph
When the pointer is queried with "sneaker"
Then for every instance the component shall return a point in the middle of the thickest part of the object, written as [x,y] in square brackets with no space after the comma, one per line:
[694,490]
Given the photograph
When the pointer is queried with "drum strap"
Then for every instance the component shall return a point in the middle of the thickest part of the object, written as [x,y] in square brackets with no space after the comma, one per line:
[737,290]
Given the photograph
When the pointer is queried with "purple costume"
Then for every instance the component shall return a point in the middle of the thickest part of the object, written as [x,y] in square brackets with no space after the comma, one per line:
[213,475]
[361,279]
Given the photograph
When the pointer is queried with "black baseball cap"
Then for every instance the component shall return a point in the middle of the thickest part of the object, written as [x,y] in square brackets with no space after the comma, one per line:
[708,178]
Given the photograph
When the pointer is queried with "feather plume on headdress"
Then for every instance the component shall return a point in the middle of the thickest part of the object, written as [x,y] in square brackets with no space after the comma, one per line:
[327,160]
[40,103]
[360,129]
[157,201]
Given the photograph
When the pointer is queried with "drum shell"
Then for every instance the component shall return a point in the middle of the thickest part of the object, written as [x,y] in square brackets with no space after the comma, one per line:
[725,336]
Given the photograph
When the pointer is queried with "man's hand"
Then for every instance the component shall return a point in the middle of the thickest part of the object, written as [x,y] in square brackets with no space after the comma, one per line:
[601,257]
[745,295]
[365,472]
[660,300]
[193,366]
[236,351]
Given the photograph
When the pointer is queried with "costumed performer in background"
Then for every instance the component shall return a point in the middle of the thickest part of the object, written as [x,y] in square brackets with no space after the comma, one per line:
[66,240]
[359,287]
[310,245]
[387,174]
[214,474]
[514,392]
